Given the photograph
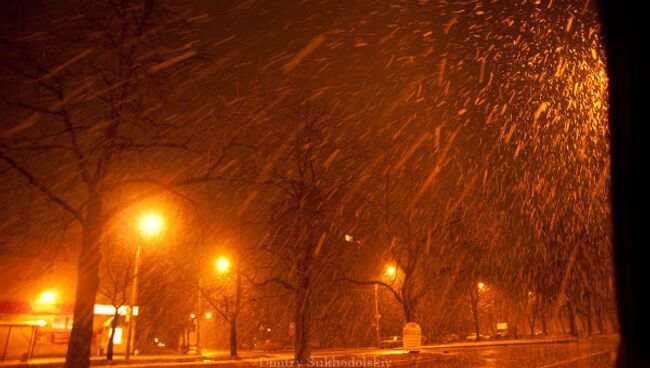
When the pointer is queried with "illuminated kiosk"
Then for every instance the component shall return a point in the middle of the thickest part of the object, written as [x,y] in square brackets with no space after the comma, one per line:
[30,330]
[108,312]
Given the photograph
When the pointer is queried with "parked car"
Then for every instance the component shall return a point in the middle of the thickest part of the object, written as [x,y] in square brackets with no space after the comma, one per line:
[391,342]
[472,337]
[448,338]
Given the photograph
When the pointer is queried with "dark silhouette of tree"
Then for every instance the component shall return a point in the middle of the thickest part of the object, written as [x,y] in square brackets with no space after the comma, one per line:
[303,179]
[80,101]
[224,292]
[116,276]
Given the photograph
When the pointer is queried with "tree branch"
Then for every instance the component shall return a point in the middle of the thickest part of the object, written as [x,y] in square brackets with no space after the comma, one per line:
[381,283]
[31,179]
[275,280]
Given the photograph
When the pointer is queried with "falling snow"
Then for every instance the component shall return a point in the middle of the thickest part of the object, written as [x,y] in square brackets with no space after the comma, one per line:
[456,141]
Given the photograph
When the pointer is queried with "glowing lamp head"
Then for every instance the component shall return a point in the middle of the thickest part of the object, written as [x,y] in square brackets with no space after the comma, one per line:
[391,271]
[47,297]
[481,285]
[222,265]
[151,224]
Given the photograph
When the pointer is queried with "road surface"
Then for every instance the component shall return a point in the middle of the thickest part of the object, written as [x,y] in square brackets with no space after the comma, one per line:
[598,352]
[585,353]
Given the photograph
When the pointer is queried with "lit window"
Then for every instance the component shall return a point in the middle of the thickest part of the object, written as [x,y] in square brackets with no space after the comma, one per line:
[62,323]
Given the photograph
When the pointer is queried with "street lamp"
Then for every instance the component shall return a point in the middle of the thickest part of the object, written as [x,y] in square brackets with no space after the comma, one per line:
[377,316]
[391,271]
[150,226]
[48,297]
[481,285]
[222,265]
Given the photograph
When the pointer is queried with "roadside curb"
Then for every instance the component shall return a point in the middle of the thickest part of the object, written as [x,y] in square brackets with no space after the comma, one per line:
[501,343]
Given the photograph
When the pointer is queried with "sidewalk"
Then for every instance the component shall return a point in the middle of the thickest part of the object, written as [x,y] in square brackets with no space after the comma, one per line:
[101,361]
[154,360]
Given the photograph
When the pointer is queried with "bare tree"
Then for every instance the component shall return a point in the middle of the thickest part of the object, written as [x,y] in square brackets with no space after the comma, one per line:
[480,303]
[409,223]
[80,102]
[225,294]
[116,276]
[302,173]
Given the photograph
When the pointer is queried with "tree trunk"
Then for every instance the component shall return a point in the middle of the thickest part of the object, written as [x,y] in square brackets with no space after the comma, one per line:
[573,329]
[110,345]
[590,316]
[235,315]
[531,323]
[478,335]
[78,354]
[407,312]
[474,300]
[233,337]
[301,342]
[599,320]
[590,326]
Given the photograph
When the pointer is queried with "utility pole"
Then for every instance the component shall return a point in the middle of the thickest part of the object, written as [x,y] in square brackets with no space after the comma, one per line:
[134,300]
[198,324]
[377,316]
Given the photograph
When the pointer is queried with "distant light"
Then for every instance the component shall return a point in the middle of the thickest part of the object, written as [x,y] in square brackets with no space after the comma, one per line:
[481,285]
[109,310]
[41,322]
[192,315]
[222,264]
[349,238]
[47,297]
[151,224]
[391,271]
[268,330]
[208,315]
[117,338]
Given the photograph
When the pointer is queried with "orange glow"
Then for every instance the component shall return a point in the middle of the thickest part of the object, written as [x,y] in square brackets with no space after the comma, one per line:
[151,224]
[391,271]
[47,297]
[481,285]
[222,265]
